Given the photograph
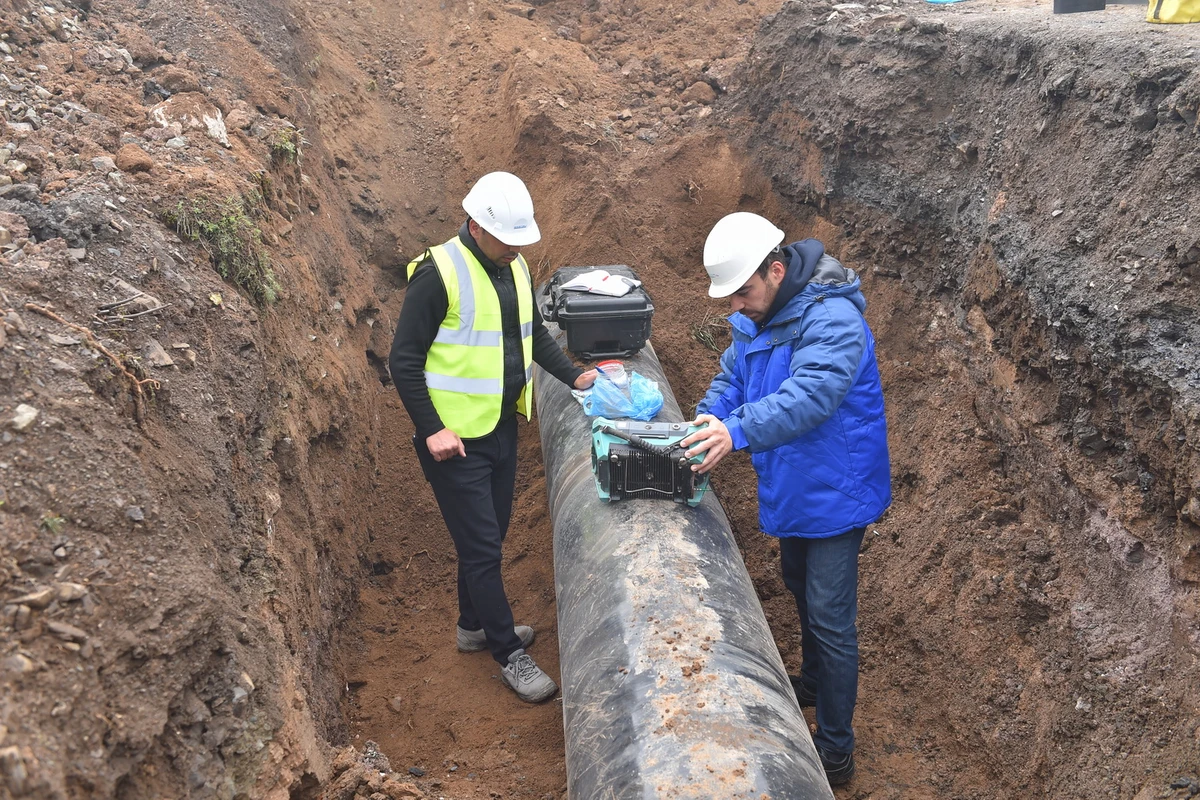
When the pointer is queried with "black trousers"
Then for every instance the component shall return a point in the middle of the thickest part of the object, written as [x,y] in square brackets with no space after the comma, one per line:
[475,495]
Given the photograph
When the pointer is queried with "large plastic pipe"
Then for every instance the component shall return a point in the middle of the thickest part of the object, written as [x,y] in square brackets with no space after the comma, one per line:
[672,684]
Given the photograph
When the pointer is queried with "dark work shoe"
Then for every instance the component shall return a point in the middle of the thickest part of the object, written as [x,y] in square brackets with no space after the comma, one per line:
[804,695]
[475,641]
[839,767]
[526,678]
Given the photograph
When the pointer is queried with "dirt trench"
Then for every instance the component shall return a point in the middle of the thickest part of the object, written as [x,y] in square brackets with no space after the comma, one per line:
[217,579]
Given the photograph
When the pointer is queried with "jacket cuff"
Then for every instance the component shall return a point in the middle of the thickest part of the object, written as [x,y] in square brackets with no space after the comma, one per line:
[734,426]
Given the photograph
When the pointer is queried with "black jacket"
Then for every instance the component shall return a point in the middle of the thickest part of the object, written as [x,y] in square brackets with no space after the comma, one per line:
[424,309]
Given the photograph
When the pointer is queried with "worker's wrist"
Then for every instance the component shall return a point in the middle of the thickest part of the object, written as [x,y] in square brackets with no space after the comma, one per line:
[736,434]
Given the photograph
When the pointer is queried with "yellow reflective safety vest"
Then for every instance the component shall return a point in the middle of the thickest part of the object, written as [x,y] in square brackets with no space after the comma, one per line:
[465,366]
[1173,11]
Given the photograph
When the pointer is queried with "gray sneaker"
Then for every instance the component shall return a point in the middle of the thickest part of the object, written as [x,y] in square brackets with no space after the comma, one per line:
[474,641]
[527,679]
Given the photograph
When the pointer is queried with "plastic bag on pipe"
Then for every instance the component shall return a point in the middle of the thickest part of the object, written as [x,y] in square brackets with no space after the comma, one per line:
[641,399]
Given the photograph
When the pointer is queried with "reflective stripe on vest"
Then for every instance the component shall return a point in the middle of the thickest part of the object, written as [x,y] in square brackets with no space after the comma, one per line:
[464,385]
[464,369]
[466,333]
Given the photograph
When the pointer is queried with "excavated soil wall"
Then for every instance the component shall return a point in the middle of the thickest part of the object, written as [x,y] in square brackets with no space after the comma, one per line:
[214,581]
[1023,204]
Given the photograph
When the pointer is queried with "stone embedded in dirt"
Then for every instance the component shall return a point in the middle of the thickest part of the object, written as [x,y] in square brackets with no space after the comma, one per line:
[520,10]
[132,158]
[345,786]
[22,665]
[16,227]
[176,79]
[75,219]
[1192,509]
[104,164]
[37,599]
[343,760]
[397,790]
[70,592]
[135,513]
[12,767]
[32,155]
[396,704]
[66,632]
[24,416]
[238,119]
[192,111]
[416,772]
[373,758]
[699,92]
[156,355]
[141,300]
[22,192]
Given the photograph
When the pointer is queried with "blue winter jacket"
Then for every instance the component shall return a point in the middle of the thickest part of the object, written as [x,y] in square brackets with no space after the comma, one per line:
[803,394]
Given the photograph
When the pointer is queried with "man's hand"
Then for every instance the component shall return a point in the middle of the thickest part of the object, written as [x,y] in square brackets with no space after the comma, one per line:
[445,445]
[586,380]
[714,442]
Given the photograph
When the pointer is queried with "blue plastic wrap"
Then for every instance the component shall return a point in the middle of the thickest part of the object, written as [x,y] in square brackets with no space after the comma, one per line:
[641,399]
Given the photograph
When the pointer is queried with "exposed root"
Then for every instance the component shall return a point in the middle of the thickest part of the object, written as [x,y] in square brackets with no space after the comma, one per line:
[135,383]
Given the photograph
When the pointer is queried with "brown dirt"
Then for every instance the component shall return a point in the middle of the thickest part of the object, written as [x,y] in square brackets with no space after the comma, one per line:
[246,570]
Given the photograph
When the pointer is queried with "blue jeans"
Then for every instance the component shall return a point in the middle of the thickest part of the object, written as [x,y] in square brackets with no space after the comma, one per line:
[822,574]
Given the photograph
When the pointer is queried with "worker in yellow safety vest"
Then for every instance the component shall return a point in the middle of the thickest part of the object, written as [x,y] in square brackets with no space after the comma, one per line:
[462,360]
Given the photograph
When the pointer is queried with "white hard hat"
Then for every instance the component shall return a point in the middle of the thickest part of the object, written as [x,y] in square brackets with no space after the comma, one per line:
[501,205]
[735,248]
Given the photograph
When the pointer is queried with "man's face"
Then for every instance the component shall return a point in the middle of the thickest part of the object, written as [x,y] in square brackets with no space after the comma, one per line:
[499,252]
[756,295]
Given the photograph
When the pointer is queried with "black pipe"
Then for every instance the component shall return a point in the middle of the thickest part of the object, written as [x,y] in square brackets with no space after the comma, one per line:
[672,684]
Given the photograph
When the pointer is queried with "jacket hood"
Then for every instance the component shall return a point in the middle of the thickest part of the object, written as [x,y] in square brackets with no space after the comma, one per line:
[828,278]
[802,258]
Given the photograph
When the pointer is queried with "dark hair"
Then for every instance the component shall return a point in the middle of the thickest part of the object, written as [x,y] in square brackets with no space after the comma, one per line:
[765,266]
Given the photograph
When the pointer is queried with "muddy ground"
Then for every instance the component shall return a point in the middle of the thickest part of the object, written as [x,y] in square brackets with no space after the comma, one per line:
[220,564]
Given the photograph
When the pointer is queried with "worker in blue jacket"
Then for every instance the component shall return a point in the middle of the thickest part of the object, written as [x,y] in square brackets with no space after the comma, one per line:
[799,388]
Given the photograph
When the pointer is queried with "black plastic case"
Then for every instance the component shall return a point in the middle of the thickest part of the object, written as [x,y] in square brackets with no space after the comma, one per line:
[598,326]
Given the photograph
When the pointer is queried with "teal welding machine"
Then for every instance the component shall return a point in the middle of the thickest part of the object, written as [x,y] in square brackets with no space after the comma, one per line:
[644,459]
